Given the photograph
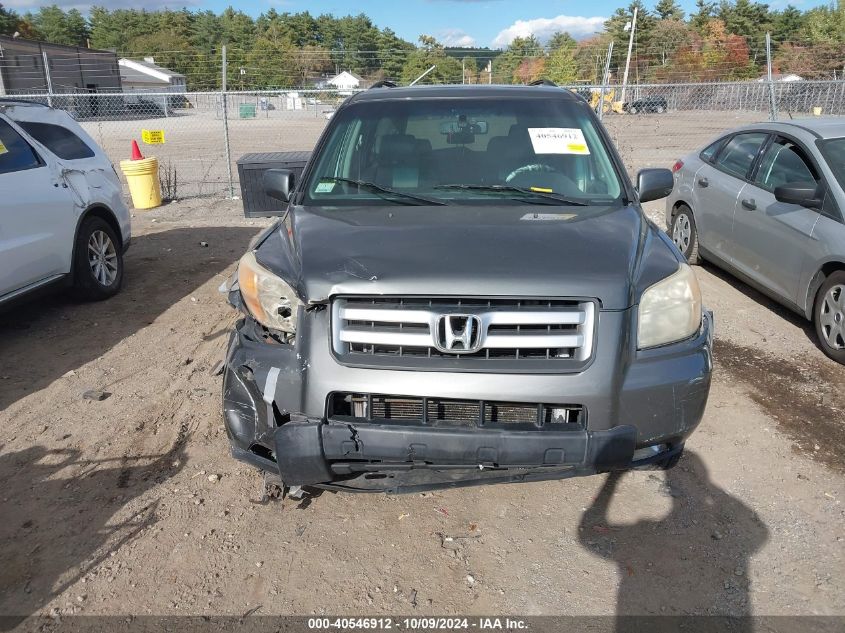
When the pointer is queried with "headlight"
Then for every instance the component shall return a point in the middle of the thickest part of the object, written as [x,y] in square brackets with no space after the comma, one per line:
[268,298]
[670,310]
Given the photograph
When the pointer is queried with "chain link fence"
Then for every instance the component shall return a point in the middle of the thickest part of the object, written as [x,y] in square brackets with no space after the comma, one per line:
[205,133]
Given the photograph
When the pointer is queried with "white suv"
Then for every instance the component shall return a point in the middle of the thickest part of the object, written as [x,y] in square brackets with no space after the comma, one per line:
[62,215]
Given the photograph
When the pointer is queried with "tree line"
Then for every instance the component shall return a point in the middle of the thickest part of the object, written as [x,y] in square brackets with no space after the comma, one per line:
[719,41]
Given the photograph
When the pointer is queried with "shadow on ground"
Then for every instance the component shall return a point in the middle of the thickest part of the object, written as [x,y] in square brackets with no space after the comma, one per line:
[59,511]
[693,561]
[51,335]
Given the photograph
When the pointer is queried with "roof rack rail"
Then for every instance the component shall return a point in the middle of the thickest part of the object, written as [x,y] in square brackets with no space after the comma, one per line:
[543,82]
[384,83]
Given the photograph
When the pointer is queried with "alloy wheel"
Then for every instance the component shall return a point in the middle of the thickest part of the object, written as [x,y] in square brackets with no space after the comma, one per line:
[102,258]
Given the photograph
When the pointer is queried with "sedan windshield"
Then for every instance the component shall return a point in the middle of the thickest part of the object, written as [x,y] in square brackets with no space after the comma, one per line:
[464,151]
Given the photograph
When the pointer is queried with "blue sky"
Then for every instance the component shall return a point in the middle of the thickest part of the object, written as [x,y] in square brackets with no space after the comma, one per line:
[454,22]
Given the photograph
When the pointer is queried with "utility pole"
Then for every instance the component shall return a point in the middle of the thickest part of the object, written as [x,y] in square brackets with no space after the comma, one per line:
[628,59]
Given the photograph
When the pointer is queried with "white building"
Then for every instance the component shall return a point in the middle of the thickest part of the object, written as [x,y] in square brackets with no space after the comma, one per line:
[345,81]
[782,77]
[147,76]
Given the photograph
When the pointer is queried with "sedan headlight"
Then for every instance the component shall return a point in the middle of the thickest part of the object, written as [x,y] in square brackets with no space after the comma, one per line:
[268,298]
[670,310]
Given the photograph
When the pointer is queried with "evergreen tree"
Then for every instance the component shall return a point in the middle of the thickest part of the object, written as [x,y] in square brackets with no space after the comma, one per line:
[8,21]
[52,24]
[561,66]
[669,10]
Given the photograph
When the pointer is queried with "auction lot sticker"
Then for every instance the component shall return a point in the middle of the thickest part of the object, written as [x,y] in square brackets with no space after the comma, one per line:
[152,137]
[558,140]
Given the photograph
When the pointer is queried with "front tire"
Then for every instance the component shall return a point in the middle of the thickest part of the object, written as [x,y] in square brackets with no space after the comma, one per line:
[685,235]
[829,316]
[98,261]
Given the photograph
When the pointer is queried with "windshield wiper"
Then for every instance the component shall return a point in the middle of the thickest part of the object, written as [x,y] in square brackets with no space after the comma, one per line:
[548,195]
[363,184]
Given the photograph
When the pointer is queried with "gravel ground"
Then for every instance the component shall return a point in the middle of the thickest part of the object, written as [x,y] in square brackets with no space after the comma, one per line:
[132,505]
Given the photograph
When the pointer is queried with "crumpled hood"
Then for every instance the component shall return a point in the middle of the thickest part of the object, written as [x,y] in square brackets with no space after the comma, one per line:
[527,251]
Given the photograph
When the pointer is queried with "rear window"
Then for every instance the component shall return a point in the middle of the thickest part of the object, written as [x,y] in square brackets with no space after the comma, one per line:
[738,155]
[59,140]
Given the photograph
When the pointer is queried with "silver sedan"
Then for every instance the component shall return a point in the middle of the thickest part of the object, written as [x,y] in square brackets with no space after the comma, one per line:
[767,203]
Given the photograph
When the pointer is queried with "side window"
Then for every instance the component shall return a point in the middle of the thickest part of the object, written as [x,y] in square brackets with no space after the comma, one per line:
[738,155]
[782,163]
[15,152]
[708,152]
[59,140]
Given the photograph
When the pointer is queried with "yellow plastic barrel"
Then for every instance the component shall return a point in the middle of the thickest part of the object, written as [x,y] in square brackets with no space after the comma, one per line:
[144,185]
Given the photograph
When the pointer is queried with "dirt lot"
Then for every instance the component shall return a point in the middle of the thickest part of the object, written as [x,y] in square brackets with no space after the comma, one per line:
[132,505]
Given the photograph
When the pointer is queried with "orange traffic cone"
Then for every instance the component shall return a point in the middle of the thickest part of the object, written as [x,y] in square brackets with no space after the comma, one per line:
[136,151]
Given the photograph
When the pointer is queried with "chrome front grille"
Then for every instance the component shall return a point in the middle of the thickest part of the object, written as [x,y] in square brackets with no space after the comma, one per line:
[463,333]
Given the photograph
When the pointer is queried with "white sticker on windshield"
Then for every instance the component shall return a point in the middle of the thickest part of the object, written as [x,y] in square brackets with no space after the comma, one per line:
[558,140]
[325,186]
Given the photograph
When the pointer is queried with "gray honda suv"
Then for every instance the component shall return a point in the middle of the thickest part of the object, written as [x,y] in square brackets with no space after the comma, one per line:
[463,289]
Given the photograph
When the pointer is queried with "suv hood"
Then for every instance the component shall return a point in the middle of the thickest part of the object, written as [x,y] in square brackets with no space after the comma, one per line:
[527,251]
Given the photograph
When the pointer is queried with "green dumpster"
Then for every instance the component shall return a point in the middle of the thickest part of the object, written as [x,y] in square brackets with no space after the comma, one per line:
[247,110]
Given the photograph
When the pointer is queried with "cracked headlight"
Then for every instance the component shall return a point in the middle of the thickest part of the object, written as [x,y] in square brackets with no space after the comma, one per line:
[670,310]
[269,299]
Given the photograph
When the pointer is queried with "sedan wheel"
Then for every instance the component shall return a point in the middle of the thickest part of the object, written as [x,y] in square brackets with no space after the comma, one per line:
[684,234]
[829,316]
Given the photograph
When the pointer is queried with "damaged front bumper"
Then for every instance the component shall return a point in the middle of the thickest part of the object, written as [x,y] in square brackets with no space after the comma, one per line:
[278,411]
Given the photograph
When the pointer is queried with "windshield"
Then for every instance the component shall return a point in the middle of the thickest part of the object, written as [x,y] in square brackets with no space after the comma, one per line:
[833,150]
[464,151]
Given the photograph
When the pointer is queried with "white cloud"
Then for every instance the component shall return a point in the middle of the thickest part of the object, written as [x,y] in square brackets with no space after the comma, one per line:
[456,37]
[543,28]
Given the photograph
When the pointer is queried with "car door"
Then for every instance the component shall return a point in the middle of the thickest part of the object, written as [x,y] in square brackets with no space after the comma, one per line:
[35,211]
[716,188]
[773,239]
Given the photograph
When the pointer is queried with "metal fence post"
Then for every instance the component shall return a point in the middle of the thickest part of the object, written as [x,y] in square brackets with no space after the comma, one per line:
[604,79]
[226,129]
[49,79]
[773,108]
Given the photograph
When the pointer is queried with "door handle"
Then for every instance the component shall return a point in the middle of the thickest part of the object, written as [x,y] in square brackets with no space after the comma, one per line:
[703,182]
[749,204]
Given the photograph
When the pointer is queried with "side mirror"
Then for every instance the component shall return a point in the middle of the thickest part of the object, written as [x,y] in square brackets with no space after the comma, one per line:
[278,184]
[804,194]
[654,184]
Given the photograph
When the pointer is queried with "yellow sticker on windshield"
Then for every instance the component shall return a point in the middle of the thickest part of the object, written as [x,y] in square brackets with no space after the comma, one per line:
[558,140]
[3,149]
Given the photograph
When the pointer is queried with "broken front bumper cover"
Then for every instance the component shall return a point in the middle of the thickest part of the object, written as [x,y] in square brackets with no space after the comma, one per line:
[397,458]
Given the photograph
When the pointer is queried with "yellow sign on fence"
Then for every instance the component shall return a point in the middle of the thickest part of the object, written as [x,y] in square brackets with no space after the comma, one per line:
[152,137]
